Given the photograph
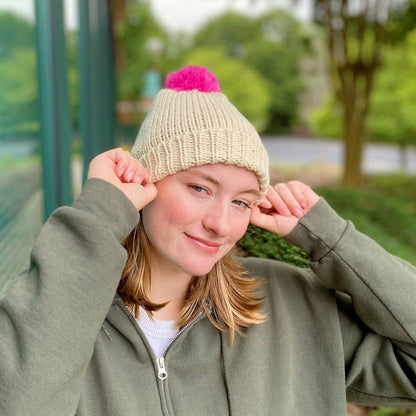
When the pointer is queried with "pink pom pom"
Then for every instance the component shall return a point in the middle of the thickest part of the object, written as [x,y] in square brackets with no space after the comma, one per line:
[192,78]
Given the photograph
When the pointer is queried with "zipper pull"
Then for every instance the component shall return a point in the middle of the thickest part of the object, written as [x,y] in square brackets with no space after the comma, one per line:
[162,374]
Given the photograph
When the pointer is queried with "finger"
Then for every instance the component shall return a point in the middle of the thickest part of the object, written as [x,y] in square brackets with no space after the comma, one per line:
[273,222]
[289,200]
[120,158]
[296,189]
[265,203]
[259,219]
[138,173]
[129,169]
[151,192]
[132,170]
[140,198]
[142,175]
[278,204]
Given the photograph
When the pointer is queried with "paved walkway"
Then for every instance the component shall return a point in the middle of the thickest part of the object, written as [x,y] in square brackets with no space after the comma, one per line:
[377,158]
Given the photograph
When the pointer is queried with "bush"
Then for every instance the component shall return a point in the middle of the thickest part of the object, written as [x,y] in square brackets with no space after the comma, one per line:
[261,243]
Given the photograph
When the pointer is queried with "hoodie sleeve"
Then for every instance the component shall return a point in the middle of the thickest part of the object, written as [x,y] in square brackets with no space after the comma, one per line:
[52,313]
[376,301]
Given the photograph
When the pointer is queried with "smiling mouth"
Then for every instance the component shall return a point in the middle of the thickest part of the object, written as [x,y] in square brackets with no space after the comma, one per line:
[205,245]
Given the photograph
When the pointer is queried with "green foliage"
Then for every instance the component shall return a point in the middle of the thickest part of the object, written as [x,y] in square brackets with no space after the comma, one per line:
[18,77]
[261,243]
[272,44]
[392,113]
[326,121]
[275,62]
[391,118]
[143,41]
[387,411]
[250,94]
[402,21]
[73,77]
[230,31]
[19,95]
[15,33]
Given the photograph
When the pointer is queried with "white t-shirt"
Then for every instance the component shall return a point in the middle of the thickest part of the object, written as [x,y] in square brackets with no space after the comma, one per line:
[159,333]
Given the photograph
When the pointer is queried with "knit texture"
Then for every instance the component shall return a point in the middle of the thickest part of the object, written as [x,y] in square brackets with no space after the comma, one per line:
[184,129]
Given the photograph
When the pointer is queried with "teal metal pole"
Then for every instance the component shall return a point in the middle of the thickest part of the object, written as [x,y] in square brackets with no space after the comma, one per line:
[97,115]
[54,105]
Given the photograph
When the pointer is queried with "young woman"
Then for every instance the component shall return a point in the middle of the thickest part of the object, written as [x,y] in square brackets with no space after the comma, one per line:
[135,305]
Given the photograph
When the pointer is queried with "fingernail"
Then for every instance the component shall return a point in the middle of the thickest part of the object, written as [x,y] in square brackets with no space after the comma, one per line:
[129,176]
[298,212]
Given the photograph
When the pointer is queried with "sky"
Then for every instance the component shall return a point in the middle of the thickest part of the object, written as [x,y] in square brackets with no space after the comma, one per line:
[188,15]
[178,15]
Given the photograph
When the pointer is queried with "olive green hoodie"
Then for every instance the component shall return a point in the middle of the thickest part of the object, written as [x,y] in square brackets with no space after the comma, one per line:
[69,345]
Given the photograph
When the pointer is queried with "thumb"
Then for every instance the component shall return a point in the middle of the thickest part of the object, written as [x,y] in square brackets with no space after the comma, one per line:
[150,192]
[140,195]
[260,219]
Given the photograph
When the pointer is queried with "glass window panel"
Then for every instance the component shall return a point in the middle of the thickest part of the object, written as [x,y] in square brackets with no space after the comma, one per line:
[21,197]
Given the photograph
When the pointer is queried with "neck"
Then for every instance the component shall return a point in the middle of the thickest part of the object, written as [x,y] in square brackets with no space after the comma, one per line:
[169,287]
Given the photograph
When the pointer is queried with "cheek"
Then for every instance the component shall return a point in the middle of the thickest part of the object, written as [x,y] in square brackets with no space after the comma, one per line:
[239,228]
[160,213]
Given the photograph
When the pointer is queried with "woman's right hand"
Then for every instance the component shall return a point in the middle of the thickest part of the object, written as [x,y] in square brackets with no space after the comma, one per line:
[118,167]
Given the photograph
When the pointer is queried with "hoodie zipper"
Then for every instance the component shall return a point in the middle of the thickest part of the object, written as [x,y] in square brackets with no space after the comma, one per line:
[160,361]
[162,373]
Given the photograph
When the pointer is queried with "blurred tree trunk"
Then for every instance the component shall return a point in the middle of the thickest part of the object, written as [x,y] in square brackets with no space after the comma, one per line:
[356,33]
[117,14]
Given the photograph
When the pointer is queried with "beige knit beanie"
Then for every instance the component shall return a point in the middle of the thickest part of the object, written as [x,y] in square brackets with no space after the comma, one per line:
[191,123]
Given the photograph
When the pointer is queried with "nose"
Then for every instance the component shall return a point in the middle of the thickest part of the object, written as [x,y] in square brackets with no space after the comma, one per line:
[217,219]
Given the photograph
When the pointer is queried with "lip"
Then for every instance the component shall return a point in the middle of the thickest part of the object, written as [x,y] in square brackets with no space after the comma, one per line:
[204,245]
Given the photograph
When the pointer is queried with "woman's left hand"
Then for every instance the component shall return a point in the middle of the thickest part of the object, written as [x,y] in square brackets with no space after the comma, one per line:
[283,206]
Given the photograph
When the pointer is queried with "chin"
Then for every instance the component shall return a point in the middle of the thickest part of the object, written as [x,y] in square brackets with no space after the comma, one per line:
[198,269]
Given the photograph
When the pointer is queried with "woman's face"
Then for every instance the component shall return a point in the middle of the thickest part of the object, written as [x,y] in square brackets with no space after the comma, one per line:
[198,216]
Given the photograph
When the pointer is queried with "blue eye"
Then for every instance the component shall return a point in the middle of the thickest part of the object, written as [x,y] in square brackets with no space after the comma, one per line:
[241,204]
[198,188]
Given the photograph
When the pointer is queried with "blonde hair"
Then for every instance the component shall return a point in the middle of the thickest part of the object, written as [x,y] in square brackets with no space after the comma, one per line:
[227,296]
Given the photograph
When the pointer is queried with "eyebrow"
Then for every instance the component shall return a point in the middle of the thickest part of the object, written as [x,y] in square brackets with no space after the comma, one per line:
[209,178]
